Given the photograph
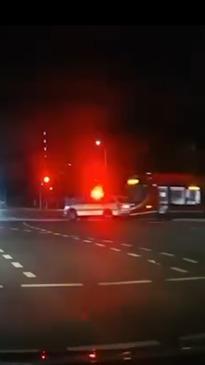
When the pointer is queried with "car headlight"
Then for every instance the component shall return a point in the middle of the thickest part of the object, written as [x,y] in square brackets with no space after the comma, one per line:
[125,206]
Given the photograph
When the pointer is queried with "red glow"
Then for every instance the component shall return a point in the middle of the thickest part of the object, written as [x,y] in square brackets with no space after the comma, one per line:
[46,179]
[97,192]
[51,188]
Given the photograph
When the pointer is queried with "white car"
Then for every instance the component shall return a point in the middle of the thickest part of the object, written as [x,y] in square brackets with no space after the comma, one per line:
[108,208]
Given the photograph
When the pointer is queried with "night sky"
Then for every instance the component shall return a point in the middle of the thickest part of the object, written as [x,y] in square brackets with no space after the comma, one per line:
[141,89]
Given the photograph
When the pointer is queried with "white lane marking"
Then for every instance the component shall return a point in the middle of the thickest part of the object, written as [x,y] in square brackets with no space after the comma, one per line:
[65,235]
[27,230]
[100,244]
[1,250]
[146,249]
[29,274]
[177,269]
[188,278]
[7,257]
[76,238]
[167,254]
[126,244]
[56,234]
[133,254]
[128,282]
[52,285]
[153,262]
[115,346]
[115,249]
[14,229]
[190,260]
[1,286]
[17,265]
[107,241]
[87,241]
[188,220]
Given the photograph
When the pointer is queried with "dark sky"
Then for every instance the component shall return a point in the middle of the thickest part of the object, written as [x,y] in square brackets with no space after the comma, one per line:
[143,83]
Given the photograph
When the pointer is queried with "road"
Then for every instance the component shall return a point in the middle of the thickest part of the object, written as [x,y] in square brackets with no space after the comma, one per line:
[66,284]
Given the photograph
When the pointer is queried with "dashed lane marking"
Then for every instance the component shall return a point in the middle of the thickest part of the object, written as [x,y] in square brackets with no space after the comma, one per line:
[153,262]
[14,229]
[87,241]
[52,285]
[17,265]
[133,254]
[146,249]
[190,260]
[188,278]
[76,238]
[27,230]
[29,274]
[7,257]
[126,244]
[107,241]
[178,269]
[56,234]
[65,235]
[100,244]
[128,282]
[1,250]
[167,254]
[115,249]
[1,286]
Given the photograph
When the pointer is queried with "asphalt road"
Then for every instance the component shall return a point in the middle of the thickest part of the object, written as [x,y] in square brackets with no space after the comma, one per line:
[68,284]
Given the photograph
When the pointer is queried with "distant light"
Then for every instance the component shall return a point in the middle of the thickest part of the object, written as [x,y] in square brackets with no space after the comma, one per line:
[98,142]
[92,355]
[148,206]
[44,133]
[148,173]
[44,141]
[194,188]
[133,181]
[97,192]
[46,179]
[43,355]
[51,188]
[154,185]
[45,148]
[69,164]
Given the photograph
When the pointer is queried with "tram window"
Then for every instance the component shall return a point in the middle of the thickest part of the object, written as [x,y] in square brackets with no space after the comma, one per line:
[178,195]
[193,197]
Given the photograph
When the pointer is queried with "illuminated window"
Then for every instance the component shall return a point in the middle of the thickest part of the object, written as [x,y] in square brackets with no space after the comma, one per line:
[193,197]
[178,195]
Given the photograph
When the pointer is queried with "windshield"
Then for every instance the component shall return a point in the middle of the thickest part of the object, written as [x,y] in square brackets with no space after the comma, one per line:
[102,186]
